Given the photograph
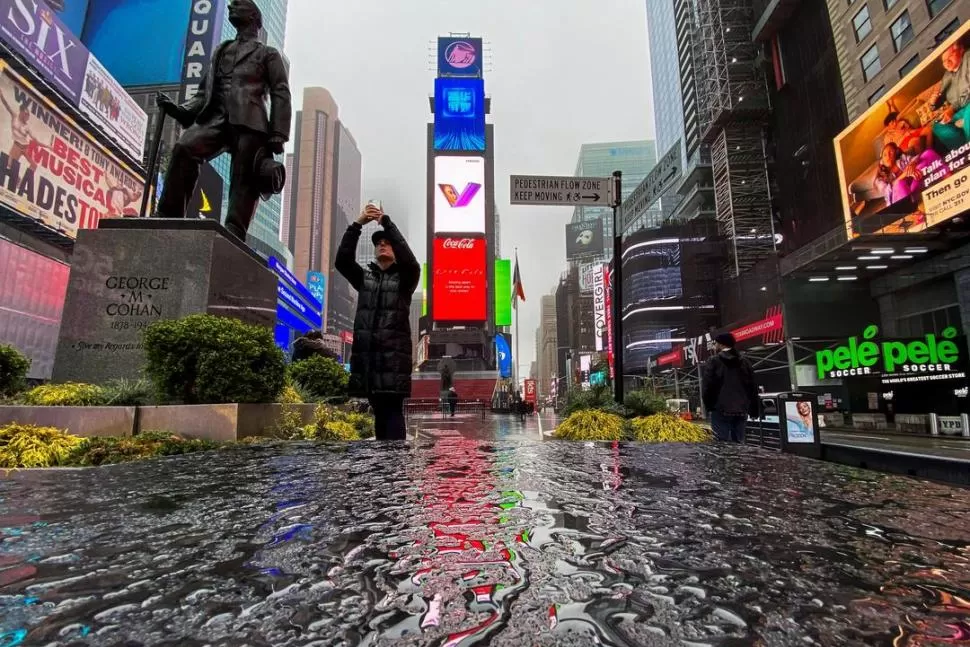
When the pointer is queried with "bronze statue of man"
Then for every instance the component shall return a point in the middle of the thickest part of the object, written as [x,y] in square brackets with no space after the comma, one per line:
[229,114]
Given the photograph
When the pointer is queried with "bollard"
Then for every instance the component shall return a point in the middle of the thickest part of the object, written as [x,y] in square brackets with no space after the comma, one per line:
[934,425]
[965,423]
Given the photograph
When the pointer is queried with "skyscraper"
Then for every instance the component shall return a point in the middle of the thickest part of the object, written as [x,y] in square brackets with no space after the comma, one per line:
[341,298]
[546,349]
[633,159]
[311,198]
[673,67]
[324,198]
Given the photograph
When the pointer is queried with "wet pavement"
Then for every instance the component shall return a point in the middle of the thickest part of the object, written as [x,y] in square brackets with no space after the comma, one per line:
[455,540]
[950,447]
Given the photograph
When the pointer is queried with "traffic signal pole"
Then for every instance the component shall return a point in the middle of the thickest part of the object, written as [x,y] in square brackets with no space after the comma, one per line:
[617,283]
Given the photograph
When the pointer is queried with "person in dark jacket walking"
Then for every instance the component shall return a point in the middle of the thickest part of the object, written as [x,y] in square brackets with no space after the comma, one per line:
[730,392]
[381,356]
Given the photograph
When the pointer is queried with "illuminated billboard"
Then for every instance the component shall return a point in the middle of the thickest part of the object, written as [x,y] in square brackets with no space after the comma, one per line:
[584,239]
[903,164]
[460,280]
[54,172]
[458,56]
[459,114]
[459,195]
[503,292]
[51,48]
[113,30]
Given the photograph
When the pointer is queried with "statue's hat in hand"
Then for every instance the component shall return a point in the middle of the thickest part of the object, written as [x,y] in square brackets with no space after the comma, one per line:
[270,174]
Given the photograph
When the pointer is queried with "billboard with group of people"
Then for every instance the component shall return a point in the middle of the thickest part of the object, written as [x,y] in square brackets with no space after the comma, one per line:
[905,164]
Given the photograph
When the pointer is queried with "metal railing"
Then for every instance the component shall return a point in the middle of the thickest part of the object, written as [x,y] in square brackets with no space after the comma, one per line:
[442,409]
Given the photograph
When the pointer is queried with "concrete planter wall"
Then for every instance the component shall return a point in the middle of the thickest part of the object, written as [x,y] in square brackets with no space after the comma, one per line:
[118,422]
[220,422]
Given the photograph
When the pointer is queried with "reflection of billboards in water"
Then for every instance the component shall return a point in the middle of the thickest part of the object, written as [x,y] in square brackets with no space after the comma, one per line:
[904,163]
[800,422]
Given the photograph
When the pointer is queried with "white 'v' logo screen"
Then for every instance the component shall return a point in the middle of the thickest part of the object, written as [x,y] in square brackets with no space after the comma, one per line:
[459,195]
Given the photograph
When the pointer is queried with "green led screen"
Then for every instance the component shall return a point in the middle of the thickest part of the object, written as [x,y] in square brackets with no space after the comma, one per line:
[503,292]
[424,289]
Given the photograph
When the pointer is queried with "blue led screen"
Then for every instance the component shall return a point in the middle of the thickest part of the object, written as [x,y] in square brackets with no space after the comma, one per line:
[459,116]
[140,42]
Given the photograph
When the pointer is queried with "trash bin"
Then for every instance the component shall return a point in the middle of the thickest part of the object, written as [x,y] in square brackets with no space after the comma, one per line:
[798,423]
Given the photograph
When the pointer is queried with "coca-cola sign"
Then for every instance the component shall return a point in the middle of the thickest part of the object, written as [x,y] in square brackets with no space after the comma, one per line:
[459,280]
[458,243]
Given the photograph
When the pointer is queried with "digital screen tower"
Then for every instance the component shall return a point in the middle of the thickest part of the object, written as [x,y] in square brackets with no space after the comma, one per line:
[461,209]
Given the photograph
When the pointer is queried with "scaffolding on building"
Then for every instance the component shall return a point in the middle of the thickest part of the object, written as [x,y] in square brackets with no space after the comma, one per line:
[733,102]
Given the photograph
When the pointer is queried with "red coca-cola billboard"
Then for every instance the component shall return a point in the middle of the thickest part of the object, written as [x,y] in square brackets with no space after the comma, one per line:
[459,284]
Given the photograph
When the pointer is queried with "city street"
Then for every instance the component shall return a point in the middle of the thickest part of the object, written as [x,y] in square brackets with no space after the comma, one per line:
[456,537]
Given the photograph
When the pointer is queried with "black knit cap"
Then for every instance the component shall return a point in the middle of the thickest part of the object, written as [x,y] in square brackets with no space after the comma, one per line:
[726,339]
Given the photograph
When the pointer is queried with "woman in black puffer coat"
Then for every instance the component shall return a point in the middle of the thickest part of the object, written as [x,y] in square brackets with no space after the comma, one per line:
[381,356]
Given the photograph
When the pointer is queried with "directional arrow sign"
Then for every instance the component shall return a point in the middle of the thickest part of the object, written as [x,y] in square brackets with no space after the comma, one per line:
[660,178]
[566,191]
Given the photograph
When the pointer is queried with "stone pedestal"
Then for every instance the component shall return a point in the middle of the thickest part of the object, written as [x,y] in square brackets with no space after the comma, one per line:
[132,272]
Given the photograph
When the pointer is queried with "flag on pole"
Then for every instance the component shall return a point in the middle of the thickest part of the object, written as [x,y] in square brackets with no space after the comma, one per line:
[518,292]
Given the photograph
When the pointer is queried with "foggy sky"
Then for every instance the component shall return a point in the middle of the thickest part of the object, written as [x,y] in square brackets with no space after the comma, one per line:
[559,74]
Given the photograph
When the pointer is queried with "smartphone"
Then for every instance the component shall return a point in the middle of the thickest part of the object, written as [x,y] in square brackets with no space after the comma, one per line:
[376,203]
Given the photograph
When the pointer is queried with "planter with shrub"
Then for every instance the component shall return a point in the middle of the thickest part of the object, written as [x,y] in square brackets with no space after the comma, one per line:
[204,359]
[25,446]
[595,425]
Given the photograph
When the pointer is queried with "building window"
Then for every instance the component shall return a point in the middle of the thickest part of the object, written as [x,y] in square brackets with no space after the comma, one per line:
[910,64]
[936,6]
[875,95]
[871,63]
[902,31]
[862,24]
[889,4]
[947,31]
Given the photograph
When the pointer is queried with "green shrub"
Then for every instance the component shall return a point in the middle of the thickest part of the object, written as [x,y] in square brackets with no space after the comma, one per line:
[322,377]
[105,451]
[70,394]
[334,424]
[289,395]
[32,446]
[667,428]
[129,393]
[13,371]
[337,431]
[363,423]
[644,403]
[598,398]
[203,359]
[591,424]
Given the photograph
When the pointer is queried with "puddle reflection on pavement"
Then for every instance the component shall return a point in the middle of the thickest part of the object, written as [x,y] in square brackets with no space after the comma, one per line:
[457,542]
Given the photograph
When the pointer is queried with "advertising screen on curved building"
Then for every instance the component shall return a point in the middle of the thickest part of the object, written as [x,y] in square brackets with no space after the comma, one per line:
[459,195]
[905,163]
